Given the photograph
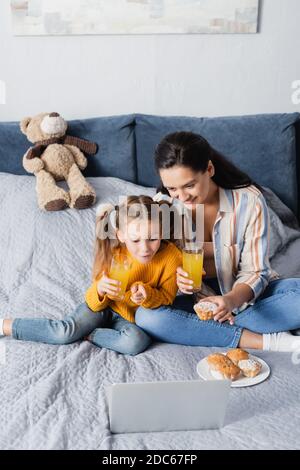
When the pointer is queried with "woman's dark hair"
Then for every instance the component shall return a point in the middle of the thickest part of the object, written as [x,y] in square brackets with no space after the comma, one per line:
[193,151]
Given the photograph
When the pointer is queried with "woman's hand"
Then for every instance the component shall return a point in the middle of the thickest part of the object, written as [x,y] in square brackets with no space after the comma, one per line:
[138,294]
[224,310]
[185,284]
[109,286]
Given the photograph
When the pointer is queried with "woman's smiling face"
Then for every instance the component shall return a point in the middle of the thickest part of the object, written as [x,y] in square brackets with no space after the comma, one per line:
[185,184]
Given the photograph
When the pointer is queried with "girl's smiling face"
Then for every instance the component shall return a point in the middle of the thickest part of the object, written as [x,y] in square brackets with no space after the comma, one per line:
[142,239]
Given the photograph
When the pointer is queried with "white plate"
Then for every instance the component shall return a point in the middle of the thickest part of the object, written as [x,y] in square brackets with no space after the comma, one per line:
[206,374]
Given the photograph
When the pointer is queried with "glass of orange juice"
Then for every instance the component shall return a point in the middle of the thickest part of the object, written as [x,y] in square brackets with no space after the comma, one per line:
[119,271]
[192,256]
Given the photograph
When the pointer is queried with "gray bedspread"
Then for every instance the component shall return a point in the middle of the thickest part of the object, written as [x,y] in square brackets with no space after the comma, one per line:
[53,397]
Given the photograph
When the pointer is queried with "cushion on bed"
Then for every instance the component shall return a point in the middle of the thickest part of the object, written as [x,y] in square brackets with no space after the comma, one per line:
[261,145]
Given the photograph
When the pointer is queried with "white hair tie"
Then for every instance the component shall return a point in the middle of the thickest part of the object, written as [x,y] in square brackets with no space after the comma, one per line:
[102,208]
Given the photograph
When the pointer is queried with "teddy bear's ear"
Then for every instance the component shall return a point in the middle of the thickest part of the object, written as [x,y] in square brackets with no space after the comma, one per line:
[24,124]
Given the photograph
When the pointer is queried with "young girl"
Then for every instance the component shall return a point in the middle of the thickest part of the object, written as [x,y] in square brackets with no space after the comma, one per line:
[105,319]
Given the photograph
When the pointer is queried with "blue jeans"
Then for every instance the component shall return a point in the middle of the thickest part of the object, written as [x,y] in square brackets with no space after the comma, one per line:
[105,329]
[277,309]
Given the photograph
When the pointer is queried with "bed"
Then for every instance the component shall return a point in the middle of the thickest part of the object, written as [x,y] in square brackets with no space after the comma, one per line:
[54,396]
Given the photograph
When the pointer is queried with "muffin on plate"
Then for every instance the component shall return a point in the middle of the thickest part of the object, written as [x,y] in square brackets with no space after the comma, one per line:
[250,367]
[237,355]
[224,366]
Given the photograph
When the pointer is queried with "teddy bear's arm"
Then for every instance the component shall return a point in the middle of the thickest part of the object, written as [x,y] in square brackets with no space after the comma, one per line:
[79,157]
[32,165]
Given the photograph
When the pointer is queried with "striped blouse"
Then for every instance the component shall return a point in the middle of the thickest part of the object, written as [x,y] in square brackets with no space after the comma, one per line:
[241,241]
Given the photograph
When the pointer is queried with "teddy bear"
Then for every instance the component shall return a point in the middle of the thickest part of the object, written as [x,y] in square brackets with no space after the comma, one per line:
[57,157]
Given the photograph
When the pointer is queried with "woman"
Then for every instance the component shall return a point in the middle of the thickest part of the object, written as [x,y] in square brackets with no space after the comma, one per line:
[249,294]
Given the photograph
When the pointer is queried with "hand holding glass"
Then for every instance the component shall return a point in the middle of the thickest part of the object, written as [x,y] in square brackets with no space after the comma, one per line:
[119,271]
[193,264]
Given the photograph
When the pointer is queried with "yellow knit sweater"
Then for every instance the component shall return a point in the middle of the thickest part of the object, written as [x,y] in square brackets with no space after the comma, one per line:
[158,278]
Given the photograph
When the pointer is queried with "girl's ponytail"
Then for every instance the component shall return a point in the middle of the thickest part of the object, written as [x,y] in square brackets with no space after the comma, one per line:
[105,241]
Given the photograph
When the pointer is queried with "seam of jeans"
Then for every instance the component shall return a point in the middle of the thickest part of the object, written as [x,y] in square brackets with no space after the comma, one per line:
[14,331]
[236,338]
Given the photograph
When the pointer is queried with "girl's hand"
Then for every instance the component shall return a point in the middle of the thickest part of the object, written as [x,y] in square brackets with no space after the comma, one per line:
[138,294]
[109,286]
[224,310]
[185,284]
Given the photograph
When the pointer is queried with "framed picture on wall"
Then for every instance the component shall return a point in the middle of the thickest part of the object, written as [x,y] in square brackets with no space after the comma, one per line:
[67,17]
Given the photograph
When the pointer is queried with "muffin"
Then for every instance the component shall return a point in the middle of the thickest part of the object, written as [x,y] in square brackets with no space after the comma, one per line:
[205,310]
[224,366]
[237,355]
[250,367]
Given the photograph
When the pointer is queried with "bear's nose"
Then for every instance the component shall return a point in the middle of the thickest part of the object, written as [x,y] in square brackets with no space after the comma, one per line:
[53,115]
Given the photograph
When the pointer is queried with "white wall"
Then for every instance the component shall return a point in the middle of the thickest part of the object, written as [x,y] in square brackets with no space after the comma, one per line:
[201,75]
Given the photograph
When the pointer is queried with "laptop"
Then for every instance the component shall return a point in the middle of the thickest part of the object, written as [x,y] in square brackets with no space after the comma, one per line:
[167,406]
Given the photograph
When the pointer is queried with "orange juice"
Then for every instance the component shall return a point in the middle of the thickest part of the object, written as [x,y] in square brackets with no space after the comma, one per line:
[193,265]
[119,271]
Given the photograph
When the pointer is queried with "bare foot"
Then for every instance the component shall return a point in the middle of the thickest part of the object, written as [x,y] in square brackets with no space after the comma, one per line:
[7,327]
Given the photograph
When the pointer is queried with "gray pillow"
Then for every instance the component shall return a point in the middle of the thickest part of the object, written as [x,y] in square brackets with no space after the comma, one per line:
[284,227]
